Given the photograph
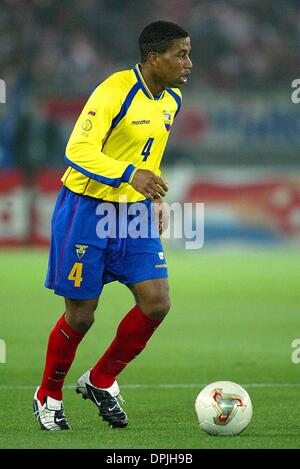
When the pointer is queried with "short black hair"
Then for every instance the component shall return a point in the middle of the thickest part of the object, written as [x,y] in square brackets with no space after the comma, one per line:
[158,37]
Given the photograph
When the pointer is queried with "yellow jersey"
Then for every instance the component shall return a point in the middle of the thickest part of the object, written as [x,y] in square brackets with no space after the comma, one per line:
[121,128]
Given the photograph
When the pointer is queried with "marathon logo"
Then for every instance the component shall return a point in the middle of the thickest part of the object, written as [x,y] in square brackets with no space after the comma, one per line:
[142,122]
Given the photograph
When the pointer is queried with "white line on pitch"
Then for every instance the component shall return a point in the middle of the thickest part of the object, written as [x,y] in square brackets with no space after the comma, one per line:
[163,386]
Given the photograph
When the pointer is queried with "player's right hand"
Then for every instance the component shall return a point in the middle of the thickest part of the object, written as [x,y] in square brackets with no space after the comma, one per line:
[149,184]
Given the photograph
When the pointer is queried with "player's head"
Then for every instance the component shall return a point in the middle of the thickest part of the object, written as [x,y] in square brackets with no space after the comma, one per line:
[165,46]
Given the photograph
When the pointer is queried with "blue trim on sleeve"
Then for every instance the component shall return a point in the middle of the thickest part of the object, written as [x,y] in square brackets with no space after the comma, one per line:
[177,99]
[113,182]
[125,106]
[128,172]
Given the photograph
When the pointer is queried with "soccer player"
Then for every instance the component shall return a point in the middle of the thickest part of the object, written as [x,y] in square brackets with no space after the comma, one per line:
[114,154]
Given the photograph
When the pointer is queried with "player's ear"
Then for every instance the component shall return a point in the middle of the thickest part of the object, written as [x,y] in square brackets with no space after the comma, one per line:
[153,59]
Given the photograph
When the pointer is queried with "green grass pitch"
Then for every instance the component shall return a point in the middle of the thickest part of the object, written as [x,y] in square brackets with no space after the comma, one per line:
[234,316]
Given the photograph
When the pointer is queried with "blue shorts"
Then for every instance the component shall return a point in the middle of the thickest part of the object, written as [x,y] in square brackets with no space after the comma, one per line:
[94,242]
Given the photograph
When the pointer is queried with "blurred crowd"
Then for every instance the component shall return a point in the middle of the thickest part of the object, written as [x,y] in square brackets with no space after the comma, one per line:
[64,48]
[69,46]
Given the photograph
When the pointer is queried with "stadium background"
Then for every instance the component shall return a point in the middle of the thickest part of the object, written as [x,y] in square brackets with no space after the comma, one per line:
[234,146]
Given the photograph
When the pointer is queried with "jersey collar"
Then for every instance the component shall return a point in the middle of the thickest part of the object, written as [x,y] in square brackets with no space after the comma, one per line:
[143,85]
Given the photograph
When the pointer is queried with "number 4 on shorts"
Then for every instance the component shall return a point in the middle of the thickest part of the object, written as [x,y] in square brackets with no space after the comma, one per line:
[76,274]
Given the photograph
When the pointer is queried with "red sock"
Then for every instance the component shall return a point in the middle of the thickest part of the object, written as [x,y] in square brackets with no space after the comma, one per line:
[133,332]
[62,345]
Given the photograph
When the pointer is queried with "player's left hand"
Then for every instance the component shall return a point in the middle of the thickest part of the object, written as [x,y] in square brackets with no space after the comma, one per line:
[162,215]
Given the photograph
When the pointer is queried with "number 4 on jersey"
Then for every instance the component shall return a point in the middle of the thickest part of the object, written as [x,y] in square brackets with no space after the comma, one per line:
[76,274]
[147,148]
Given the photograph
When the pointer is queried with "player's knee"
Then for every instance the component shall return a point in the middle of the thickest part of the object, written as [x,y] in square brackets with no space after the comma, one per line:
[157,308]
[80,314]
[79,322]
[164,307]
[83,324]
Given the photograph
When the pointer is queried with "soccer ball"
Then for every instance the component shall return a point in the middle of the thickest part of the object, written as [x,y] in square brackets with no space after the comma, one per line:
[223,408]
